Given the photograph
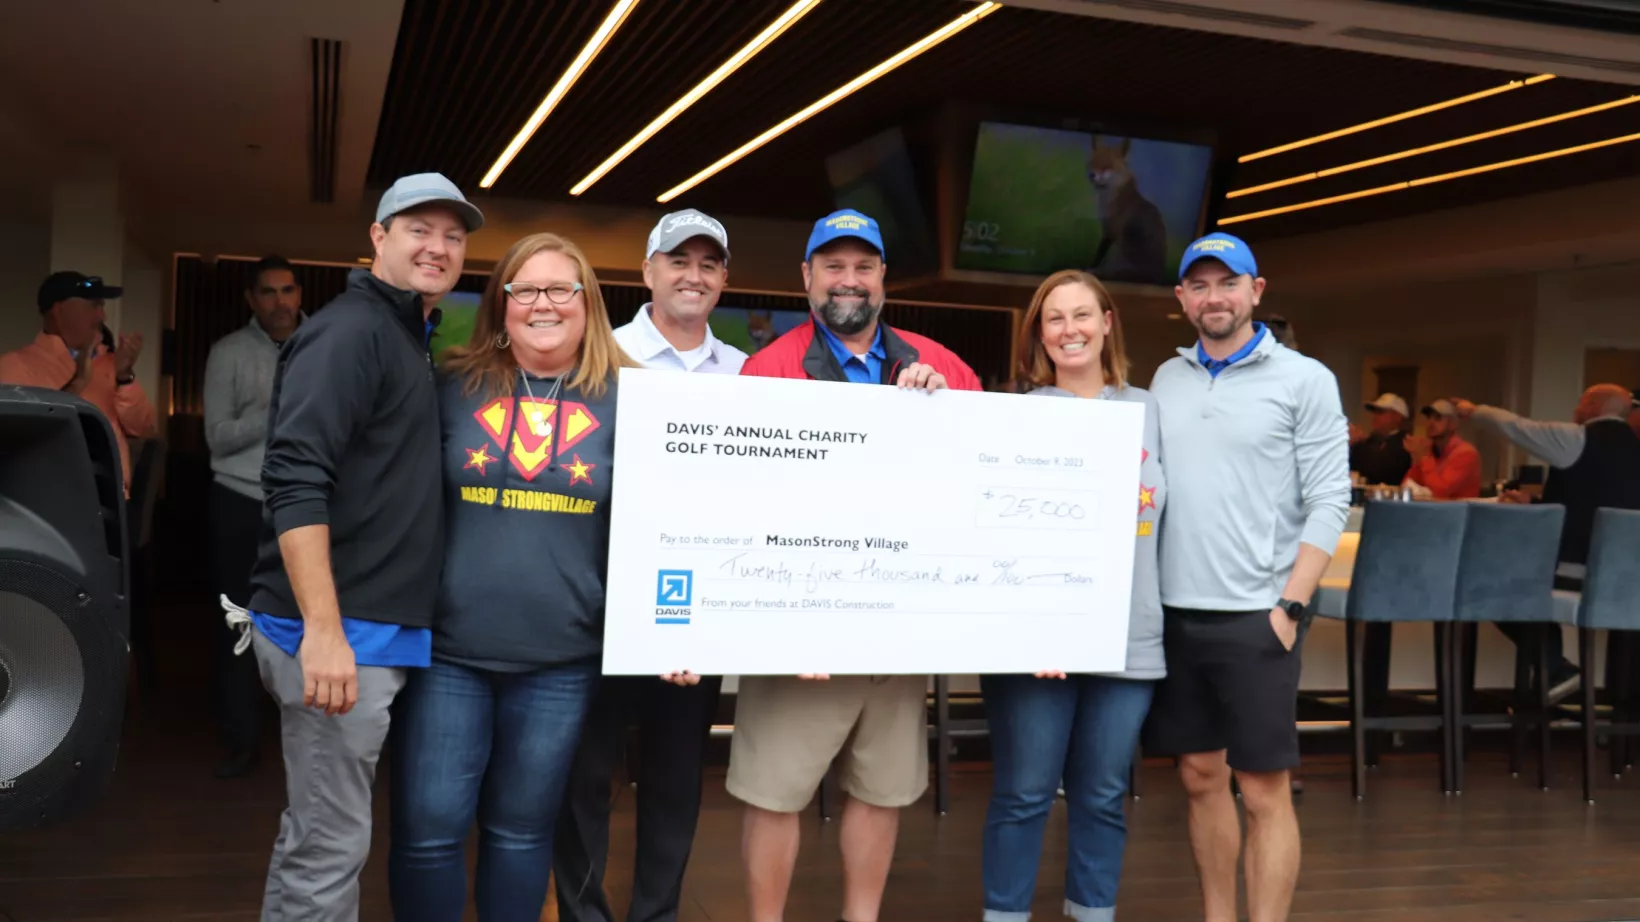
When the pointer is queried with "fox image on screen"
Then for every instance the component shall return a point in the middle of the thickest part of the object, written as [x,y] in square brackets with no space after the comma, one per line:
[1133,235]
[1042,199]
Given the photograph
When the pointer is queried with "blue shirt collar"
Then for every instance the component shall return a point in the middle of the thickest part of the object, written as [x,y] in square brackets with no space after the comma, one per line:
[840,350]
[1214,366]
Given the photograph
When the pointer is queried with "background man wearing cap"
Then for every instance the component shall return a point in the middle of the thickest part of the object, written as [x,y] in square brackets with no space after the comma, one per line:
[1442,462]
[69,355]
[1258,450]
[238,386]
[789,729]
[352,542]
[685,266]
[1380,455]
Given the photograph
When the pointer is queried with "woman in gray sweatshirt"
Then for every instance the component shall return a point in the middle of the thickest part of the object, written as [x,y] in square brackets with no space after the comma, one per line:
[1081,730]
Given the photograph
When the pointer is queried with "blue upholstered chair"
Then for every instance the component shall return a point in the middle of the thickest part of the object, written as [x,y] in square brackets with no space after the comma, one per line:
[1610,601]
[1507,574]
[1405,571]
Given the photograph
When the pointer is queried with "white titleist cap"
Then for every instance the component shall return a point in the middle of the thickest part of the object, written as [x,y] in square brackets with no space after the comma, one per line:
[673,229]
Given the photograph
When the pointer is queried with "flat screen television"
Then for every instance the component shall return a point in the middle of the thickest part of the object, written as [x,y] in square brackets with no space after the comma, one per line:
[457,313]
[1044,199]
[875,177]
[749,330]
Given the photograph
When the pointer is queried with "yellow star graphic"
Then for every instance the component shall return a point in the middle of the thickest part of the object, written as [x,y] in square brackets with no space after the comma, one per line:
[579,471]
[477,458]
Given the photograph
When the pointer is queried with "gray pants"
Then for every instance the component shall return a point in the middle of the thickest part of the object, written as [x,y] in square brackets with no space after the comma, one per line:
[330,767]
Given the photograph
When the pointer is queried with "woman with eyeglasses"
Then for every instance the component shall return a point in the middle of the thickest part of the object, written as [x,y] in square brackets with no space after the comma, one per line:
[488,732]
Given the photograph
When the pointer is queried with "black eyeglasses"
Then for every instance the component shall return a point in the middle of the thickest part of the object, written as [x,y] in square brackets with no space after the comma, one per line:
[525,293]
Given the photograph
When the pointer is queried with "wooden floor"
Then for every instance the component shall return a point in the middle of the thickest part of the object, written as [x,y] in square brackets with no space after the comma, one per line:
[169,842]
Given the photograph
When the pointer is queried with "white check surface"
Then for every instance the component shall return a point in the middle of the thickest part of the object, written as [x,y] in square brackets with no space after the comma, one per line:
[773,527]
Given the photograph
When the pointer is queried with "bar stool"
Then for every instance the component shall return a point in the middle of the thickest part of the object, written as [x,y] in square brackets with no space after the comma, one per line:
[1507,574]
[1405,571]
[1610,601]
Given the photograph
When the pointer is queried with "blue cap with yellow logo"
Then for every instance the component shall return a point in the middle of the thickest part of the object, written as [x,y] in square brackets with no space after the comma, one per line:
[844,223]
[1226,248]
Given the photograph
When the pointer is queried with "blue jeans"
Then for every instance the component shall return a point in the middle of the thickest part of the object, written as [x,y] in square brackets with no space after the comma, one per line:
[1082,731]
[495,746]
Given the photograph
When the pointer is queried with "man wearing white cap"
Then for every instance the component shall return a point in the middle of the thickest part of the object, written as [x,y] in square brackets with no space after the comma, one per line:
[1380,455]
[352,546]
[686,265]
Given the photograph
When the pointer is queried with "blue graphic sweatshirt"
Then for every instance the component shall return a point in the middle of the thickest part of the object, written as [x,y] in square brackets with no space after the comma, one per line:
[527,484]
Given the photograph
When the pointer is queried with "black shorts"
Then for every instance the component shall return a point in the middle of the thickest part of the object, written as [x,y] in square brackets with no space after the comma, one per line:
[1230,685]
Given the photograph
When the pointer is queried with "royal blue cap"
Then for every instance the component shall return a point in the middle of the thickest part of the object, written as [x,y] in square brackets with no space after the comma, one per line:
[844,223]
[1226,248]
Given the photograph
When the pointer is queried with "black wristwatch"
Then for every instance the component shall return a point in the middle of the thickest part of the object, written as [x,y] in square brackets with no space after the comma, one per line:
[1294,610]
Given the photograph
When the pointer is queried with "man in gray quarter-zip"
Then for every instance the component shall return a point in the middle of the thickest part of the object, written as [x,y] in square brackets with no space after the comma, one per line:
[1259,489]
[238,384]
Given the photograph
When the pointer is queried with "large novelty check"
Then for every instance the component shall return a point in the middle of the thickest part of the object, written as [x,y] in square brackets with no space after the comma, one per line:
[774,527]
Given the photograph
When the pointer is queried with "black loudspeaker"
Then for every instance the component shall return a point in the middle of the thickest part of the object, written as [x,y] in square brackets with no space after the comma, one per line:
[64,621]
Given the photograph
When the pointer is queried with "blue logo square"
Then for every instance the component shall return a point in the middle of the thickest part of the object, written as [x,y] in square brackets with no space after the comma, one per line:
[674,587]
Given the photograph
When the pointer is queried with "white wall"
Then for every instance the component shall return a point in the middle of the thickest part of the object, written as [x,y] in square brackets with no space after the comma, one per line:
[25,261]
[141,309]
[1577,310]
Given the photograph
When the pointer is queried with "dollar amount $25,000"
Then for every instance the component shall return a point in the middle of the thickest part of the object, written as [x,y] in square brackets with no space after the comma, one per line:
[1009,507]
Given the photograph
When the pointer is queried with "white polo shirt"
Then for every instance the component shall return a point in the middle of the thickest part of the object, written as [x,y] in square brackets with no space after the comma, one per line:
[640,340]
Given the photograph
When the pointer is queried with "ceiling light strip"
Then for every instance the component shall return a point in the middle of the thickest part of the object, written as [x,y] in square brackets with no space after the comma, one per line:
[787,19]
[594,45]
[1398,117]
[921,45]
[1430,180]
[1431,148]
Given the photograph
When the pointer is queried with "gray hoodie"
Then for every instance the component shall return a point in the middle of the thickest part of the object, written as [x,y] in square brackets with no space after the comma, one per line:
[238,383]
[1144,654]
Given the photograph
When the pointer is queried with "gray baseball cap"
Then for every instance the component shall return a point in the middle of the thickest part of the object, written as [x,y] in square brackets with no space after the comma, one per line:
[409,191]
[673,229]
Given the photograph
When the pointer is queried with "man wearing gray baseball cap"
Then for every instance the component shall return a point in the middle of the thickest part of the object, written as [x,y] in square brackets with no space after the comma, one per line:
[685,265]
[342,592]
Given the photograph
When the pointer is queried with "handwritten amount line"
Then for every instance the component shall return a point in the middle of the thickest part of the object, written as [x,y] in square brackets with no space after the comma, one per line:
[1003,573]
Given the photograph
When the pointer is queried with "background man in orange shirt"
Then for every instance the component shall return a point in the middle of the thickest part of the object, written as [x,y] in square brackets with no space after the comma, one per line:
[69,356]
[1449,466]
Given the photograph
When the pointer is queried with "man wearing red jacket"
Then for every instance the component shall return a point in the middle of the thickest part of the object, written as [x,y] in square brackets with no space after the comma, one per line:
[789,729]
[843,274]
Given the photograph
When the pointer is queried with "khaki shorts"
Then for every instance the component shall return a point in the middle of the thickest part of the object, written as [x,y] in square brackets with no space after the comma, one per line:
[788,731]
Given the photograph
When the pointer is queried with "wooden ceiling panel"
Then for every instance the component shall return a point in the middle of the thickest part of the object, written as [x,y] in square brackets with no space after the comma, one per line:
[466,76]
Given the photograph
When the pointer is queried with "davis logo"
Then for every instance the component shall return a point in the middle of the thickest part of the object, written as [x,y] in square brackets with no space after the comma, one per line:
[674,591]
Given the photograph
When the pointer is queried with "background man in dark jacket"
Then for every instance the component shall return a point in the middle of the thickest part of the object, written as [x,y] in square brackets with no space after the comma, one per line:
[1594,461]
[352,539]
[1380,455]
